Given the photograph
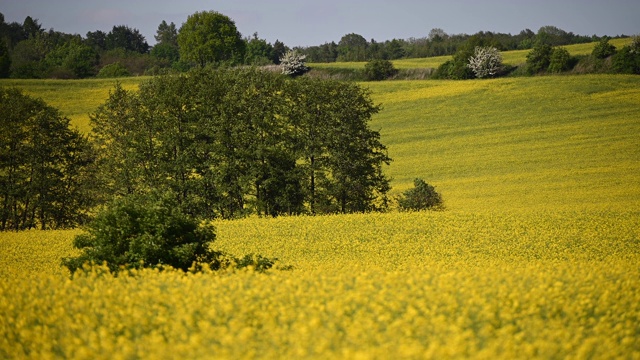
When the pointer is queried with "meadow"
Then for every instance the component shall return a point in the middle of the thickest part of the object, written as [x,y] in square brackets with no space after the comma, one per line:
[536,255]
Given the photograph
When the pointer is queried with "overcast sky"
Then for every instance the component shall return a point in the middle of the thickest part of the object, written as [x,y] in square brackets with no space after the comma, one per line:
[306,23]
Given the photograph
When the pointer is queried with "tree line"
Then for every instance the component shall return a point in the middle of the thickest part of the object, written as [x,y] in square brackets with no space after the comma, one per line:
[354,47]
[27,50]
[222,142]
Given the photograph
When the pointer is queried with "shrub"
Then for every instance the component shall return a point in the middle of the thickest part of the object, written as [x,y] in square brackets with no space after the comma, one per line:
[627,60]
[376,70]
[539,58]
[113,70]
[603,49]
[144,231]
[293,63]
[422,197]
[485,62]
[560,60]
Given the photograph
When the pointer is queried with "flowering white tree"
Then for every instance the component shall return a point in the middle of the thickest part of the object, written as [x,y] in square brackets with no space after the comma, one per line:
[485,62]
[293,63]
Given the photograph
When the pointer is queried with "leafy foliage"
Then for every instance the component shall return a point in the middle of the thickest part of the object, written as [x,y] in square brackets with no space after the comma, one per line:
[232,142]
[539,58]
[376,70]
[603,49]
[627,60]
[421,197]
[46,168]
[138,231]
[209,37]
[560,60]
[114,70]
[485,62]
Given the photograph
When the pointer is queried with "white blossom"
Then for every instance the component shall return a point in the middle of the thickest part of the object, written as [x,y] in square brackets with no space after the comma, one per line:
[486,61]
[293,63]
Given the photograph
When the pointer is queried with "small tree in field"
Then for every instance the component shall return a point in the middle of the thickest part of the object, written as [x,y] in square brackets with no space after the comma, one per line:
[485,62]
[422,197]
[293,63]
[144,231]
[560,60]
[376,70]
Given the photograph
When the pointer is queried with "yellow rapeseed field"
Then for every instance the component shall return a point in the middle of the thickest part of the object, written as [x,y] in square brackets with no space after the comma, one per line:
[370,286]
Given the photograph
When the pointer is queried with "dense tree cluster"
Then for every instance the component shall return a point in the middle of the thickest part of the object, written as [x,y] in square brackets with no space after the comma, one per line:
[221,142]
[208,37]
[46,168]
[227,143]
[354,47]
[29,51]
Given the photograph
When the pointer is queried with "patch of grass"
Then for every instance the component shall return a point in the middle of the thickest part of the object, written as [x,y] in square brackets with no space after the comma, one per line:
[543,142]
[75,98]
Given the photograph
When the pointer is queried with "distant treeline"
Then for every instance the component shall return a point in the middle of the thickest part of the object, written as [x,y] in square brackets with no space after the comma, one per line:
[354,47]
[27,50]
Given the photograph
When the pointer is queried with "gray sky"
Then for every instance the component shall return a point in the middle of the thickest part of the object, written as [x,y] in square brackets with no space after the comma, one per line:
[306,23]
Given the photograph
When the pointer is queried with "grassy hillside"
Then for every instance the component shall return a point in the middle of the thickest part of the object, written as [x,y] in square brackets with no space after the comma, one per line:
[554,141]
[515,57]
[75,98]
[536,256]
[541,142]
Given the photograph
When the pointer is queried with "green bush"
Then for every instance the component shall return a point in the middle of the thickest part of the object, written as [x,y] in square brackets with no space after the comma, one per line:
[144,231]
[376,70]
[603,49]
[113,70]
[421,197]
[560,60]
[539,58]
[627,60]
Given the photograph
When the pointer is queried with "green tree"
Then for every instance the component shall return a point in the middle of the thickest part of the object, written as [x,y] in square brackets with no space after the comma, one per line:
[113,70]
[376,70]
[227,143]
[97,40]
[352,47]
[144,231]
[627,60]
[209,37]
[258,51]
[27,58]
[32,27]
[603,49]
[5,60]
[421,197]
[123,37]
[73,58]
[279,49]
[560,60]
[458,68]
[167,34]
[46,171]
[340,158]
[539,58]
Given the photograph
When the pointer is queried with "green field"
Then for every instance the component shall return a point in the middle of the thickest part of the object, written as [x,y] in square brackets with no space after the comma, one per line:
[536,256]
[566,142]
[513,143]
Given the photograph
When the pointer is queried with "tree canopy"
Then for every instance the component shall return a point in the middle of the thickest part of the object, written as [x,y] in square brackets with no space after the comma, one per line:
[210,37]
[46,168]
[231,142]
